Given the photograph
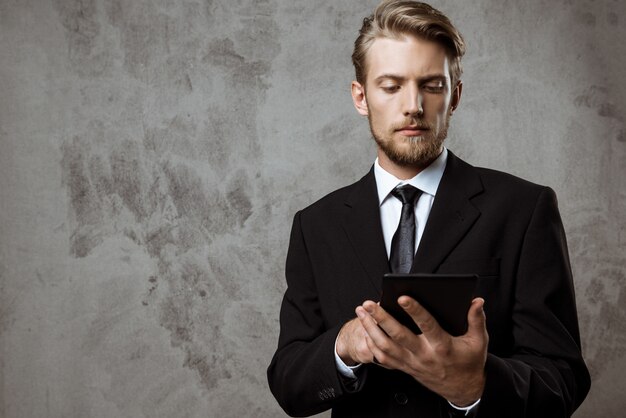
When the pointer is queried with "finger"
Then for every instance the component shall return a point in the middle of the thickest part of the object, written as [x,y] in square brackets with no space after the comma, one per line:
[375,333]
[369,323]
[384,320]
[379,357]
[394,329]
[476,320]
[424,320]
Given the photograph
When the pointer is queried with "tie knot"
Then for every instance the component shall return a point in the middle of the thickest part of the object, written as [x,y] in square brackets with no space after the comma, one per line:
[406,194]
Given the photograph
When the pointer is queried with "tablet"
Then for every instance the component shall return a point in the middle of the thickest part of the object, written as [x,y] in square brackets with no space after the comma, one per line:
[446,296]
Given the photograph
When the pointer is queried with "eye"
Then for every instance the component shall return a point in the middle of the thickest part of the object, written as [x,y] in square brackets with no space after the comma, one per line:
[434,87]
[390,89]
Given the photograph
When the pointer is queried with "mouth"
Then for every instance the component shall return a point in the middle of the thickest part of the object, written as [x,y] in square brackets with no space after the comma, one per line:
[412,130]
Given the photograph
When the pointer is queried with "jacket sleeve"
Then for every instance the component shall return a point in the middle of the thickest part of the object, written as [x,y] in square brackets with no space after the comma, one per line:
[545,375]
[302,375]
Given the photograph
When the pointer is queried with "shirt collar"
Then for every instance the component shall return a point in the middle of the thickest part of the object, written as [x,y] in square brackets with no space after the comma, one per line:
[427,180]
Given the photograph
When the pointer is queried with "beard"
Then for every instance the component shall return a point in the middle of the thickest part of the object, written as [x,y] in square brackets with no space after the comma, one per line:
[415,151]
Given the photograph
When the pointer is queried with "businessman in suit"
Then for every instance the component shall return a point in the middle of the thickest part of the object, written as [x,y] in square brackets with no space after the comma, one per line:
[422,209]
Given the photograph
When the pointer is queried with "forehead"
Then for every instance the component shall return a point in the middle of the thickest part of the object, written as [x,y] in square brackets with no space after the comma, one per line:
[408,56]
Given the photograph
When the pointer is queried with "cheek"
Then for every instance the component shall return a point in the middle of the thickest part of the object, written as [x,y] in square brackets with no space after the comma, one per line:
[442,104]
[437,102]
[379,114]
[439,109]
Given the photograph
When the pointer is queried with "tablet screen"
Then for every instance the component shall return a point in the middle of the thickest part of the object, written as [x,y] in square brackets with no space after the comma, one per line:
[446,296]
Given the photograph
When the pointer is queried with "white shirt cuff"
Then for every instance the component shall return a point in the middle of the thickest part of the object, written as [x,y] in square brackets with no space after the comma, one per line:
[467,409]
[344,369]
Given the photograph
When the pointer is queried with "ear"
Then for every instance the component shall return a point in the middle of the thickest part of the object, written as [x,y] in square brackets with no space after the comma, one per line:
[456,96]
[359,99]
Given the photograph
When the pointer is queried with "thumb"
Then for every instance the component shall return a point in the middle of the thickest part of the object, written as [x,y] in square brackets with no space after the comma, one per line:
[476,320]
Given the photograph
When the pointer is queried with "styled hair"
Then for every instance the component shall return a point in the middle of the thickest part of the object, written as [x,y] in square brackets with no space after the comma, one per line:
[397,18]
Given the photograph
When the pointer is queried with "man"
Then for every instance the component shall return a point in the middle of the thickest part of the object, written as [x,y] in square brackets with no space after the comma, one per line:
[521,354]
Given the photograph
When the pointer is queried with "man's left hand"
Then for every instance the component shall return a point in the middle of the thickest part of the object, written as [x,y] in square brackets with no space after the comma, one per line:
[453,367]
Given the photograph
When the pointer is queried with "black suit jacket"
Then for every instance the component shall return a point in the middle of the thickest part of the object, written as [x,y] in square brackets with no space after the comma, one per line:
[482,221]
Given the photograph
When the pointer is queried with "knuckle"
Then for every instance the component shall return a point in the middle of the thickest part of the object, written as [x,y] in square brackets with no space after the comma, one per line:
[430,363]
[426,324]
[396,335]
[384,345]
[400,336]
[443,350]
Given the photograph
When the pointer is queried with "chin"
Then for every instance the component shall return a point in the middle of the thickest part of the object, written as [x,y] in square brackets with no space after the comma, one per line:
[418,151]
[414,139]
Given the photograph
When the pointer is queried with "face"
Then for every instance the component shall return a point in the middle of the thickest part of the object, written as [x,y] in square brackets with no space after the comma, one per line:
[408,100]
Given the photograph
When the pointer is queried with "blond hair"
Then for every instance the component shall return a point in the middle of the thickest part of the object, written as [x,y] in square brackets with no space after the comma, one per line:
[393,19]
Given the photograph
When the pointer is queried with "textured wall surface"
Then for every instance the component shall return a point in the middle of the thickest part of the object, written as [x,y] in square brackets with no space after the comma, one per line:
[152,154]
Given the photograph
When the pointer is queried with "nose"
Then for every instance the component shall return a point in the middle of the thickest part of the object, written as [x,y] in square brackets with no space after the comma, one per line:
[413,102]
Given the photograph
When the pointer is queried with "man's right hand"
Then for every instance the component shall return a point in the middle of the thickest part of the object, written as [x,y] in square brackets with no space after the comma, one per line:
[351,345]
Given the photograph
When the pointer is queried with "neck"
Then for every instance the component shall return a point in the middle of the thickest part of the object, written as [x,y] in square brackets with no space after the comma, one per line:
[403,172]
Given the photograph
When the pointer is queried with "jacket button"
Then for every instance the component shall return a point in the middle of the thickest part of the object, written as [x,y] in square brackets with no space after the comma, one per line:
[401,398]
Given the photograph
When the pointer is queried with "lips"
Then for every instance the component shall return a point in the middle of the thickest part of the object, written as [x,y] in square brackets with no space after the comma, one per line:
[412,130]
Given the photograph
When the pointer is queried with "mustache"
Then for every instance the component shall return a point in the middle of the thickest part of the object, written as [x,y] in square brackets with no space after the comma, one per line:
[416,123]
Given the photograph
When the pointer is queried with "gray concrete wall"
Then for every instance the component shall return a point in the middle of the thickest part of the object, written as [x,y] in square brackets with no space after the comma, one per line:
[152,154]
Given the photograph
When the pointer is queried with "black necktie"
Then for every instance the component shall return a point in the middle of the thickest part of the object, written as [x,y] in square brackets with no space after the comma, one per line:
[403,242]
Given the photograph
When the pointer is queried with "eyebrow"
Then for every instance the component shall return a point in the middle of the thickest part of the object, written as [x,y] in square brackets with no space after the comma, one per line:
[399,78]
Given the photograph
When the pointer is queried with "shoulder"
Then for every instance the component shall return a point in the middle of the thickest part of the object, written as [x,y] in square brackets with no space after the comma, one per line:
[364,187]
[513,193]
[500,180]
[498,187]
[331,210]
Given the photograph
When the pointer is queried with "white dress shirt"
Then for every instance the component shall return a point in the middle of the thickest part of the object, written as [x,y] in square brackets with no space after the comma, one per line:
[390,207]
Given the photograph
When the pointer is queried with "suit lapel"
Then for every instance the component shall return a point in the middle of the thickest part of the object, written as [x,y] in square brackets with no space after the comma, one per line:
[451,216]
[362,225]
